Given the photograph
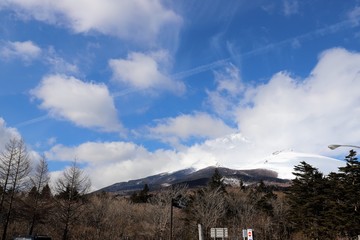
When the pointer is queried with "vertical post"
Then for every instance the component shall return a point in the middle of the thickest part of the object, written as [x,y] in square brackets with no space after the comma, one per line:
[201,236]
[244,234]
[171,218]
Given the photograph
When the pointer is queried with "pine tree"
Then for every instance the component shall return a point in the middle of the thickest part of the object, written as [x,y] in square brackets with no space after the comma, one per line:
[263,198]
[217,181]
[141,197]
[307,201]
[46,192]
[349,177]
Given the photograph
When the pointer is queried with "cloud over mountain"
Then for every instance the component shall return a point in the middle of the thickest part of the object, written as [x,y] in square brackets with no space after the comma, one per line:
[307,113]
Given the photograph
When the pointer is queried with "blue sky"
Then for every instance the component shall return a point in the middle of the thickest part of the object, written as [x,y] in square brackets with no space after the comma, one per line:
[136,87]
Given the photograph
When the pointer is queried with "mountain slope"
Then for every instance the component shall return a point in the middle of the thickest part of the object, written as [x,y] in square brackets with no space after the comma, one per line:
[275,168]
[283,163]
[193,178]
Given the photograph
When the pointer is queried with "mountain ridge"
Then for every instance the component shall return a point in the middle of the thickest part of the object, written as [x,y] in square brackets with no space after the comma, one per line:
[195,178]
[276,168]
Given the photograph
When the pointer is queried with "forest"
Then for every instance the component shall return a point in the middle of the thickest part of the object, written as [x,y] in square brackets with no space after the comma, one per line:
[313,206]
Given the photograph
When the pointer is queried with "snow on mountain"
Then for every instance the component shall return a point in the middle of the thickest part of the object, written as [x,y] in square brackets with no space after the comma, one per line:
[237,152]
[274,168]
[283,163]
[234,152]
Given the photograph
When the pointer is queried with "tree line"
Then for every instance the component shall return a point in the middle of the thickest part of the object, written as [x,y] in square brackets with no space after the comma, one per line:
[313,206]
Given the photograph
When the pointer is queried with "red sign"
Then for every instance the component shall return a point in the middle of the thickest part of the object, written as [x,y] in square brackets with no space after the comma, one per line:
[250,235]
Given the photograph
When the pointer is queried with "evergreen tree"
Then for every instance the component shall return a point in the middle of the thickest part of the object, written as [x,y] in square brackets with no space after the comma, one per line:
[46,192]
[333,216]
[217,181]
[349,177]
[263,198]
[307,200]
[141,197]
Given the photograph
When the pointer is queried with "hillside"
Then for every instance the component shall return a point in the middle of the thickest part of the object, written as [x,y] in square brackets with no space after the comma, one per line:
[193,179]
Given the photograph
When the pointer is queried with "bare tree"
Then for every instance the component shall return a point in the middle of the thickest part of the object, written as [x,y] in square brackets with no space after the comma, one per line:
[14,170]
[71,188]
[207,208]
[38,204]
[162,212]
[7,159]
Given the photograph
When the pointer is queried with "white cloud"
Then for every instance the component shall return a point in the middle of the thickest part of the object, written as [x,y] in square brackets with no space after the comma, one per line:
[145,72]
[183,127]
[7,133]
[306,114]
[85,104]
[141,20]
[26,51]
[229,88]
[110,162]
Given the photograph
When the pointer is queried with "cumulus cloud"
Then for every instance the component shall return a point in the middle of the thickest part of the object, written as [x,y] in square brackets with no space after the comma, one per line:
[182,128]
[287,112]
[140,20]
[25,51]
[87,105]
[145,71]
[110,162]
[7,133]
[309,113]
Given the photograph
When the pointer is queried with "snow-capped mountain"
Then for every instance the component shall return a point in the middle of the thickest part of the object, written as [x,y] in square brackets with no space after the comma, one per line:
[274,169]
[193,179]
[283,163]
[237,152]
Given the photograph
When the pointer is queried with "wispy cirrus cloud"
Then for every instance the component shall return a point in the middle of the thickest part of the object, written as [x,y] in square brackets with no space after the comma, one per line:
[85,104]
[295,41]
[228,92]
[354,15]
[291,7]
